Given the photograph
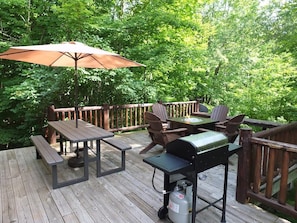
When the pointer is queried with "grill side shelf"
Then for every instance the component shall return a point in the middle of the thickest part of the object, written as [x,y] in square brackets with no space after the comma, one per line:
[169,163]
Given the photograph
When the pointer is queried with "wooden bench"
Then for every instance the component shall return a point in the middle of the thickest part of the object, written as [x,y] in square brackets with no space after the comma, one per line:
[49,156]
[120,145]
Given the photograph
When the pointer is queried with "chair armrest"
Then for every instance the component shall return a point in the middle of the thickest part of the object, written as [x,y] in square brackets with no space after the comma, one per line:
[200,130]
[220,127]
[201,114]
[165,125]
[168,131]
[173,134]
[222,122]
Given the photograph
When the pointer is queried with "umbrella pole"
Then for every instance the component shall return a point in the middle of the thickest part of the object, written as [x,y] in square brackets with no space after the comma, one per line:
[75,92]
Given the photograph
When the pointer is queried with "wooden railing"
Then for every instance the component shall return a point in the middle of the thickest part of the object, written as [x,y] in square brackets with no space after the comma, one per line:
[267,167]
[116,117]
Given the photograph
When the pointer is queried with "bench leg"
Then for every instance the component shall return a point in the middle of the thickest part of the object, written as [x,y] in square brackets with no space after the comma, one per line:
[123,166]
[37,154]
[54,177]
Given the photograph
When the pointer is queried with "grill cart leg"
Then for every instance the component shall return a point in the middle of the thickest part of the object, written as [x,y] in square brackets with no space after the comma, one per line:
[223,220]
[163,211]
[194,198]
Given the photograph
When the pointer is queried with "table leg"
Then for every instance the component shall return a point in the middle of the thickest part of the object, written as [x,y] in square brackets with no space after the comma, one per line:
[61,145]
[98,158]
[72,162]
[86,161]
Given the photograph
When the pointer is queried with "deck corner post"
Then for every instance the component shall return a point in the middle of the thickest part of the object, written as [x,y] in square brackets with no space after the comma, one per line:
[51,137]
[243,168]
[106,125]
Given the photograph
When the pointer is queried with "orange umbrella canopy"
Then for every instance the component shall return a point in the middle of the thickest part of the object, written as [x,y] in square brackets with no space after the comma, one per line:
[68,54]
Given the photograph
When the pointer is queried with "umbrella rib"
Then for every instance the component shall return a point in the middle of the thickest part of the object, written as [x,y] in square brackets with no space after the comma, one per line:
[54,61]
[83,55]
[25,51]
[68,54]
[77,56]
[98,61]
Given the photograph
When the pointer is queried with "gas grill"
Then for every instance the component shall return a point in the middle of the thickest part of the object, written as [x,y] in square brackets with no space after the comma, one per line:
[188,156]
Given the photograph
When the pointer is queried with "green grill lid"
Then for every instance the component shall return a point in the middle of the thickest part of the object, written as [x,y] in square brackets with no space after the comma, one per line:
[206,140]
[198,142]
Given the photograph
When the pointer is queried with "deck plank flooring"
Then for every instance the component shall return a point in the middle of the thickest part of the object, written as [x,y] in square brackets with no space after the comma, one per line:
[26,194]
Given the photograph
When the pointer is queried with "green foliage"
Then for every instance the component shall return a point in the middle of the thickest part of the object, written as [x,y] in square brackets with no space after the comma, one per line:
[113,87]
[76,16]
[22,107]
[171,48]
[15,22]
[228,52]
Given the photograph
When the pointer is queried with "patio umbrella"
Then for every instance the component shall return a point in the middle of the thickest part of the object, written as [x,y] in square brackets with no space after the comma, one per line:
[68,54]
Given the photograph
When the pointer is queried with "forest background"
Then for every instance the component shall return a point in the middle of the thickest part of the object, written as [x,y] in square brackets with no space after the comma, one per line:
[234,52]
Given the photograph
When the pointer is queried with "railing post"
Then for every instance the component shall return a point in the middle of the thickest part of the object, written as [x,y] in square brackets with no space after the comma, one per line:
[198,101]
[243,166]
[106,117]
[51,132]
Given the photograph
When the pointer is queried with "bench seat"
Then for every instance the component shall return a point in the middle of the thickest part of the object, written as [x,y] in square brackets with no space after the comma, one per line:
[44,150]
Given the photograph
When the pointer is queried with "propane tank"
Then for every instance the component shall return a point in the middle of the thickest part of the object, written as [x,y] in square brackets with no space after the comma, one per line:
[180,202]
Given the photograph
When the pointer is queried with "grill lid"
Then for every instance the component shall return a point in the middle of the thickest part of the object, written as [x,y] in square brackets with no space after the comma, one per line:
[197,143]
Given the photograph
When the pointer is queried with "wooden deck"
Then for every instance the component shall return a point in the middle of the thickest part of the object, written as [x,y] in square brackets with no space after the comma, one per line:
[26,194]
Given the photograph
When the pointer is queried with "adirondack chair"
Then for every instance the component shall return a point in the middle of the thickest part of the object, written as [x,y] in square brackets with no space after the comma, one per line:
[158,134]
[219,113]
[160,110]
[230,127]
[203,108]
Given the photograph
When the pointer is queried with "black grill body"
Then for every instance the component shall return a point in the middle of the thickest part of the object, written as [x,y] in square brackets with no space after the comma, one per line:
[204,150]
[189,156]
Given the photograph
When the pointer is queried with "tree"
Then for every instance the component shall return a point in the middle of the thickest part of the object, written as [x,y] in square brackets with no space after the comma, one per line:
[172,45]
[230,52]
[245,71]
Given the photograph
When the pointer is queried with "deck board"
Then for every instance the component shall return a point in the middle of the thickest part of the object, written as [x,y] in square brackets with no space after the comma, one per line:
[26,194]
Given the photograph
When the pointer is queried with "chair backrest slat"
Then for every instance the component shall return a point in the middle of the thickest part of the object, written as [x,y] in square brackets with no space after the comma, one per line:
[160,110]
[154,121]
[219,113]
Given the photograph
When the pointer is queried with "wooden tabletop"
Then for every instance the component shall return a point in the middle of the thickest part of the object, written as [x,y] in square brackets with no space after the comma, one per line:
[84,132]
[192,120]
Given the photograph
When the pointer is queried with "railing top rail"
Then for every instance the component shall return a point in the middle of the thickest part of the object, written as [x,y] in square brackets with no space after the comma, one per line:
[84,108]
[131,105]
[275,144]
[261,123]
[176,103]
[276,130]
